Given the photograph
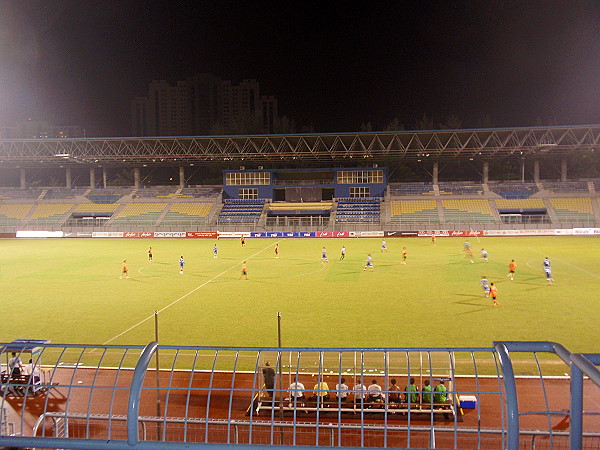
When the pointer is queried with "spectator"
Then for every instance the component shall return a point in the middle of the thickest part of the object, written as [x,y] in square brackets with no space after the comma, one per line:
[269,378]
[427,392]
[411,392]
[297,393]
[15,365]
[394,394]
[441,393]
[341,390]
[374,392]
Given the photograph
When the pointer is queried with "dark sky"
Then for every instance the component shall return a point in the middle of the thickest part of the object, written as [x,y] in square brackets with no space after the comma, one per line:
[500,63]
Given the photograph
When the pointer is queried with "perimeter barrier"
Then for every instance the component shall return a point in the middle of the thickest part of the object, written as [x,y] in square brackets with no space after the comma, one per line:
[512,395]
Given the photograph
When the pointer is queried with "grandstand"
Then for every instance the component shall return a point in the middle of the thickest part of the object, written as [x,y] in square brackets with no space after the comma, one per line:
[202,209]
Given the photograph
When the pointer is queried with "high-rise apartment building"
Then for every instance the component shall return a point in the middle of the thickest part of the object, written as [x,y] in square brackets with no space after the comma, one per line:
[198,105]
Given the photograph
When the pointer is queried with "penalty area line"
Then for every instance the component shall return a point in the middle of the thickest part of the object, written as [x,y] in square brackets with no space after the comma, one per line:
[184,296]
[565,262]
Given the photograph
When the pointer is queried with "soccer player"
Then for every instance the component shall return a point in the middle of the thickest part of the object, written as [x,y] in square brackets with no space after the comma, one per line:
[432,238]
[484,255]
[181,264]
[150,254]
[215,251]
[383,247]
[485,285]
[546,262]
[494,294]
[369,263]
[511,269]
[404,255]
[124,272]
[276,250]
[243,241]
[469,254]
[324,255]
[548,271]
[244,270]
[343,253]
[467,245]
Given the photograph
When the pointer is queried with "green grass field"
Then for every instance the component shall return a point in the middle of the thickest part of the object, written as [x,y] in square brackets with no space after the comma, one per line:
[69,291]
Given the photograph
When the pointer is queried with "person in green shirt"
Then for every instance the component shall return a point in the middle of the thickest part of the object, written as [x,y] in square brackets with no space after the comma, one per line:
[441,394]
[427,397]
[411,394]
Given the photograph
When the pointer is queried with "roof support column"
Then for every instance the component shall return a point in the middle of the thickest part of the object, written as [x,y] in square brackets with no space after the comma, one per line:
[563,169]
[104,176]
[536,170]
[69,181]
[436,170]
[522,170]
[22,178]
[92,177]
[181,177]
[136,177]
[486,172]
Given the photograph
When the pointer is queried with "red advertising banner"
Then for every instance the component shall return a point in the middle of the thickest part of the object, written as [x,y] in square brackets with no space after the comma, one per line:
[201,234]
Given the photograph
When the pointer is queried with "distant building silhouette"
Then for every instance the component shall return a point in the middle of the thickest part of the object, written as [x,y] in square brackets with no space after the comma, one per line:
[200,105]
[34,129]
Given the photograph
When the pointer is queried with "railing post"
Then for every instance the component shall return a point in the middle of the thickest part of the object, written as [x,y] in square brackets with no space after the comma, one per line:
[512,405]
[133,406]
[576,408]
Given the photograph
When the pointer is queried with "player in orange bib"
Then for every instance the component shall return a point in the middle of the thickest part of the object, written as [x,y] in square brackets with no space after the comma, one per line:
[494,294]
[511,269]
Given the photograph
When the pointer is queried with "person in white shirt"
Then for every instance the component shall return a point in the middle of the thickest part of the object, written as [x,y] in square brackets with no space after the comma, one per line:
[15,365]
[341,390]
[374,392]
[360,391]
[297,393]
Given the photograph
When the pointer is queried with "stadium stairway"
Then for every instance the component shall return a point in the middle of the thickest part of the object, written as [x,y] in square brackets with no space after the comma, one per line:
[550,210]
[164,212]
[596,209]
[115,214]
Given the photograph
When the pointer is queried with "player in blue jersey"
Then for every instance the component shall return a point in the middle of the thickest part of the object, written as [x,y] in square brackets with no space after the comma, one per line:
[484,255]
[181,264]
[369,263]
[546,262]
[485,285]
[324,255]
[215,251]
[548,271]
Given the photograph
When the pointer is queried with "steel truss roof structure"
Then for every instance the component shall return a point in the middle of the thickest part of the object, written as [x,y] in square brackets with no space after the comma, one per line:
[313,149]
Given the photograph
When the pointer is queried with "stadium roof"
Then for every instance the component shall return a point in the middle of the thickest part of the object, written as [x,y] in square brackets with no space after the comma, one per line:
[313,149]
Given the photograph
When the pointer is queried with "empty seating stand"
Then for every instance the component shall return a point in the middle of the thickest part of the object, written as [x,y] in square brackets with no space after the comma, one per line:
[514,189]
[414,211]
[241,211]
[358,210]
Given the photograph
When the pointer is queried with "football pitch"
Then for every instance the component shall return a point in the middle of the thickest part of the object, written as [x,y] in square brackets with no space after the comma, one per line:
[69,291]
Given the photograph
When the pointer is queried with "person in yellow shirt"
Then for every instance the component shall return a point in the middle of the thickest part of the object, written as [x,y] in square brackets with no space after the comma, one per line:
[244,270]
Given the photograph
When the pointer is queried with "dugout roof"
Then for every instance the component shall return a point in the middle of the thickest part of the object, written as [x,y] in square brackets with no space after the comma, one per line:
[311,149]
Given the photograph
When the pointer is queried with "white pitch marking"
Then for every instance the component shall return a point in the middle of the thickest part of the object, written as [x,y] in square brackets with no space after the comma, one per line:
[565,262]
[183,296]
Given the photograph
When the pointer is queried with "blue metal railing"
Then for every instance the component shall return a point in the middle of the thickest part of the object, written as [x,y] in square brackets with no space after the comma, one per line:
[102,396]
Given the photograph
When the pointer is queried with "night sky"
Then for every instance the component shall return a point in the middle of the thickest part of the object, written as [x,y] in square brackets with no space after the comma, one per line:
[332,68]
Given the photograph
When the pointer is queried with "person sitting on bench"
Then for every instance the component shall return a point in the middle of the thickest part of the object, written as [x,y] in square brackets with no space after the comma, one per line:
[32,371]
[394,394]
[426,396]
[411,392]
[297,394]
[15,365]
[375,395]
[441,393]
[321,392]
